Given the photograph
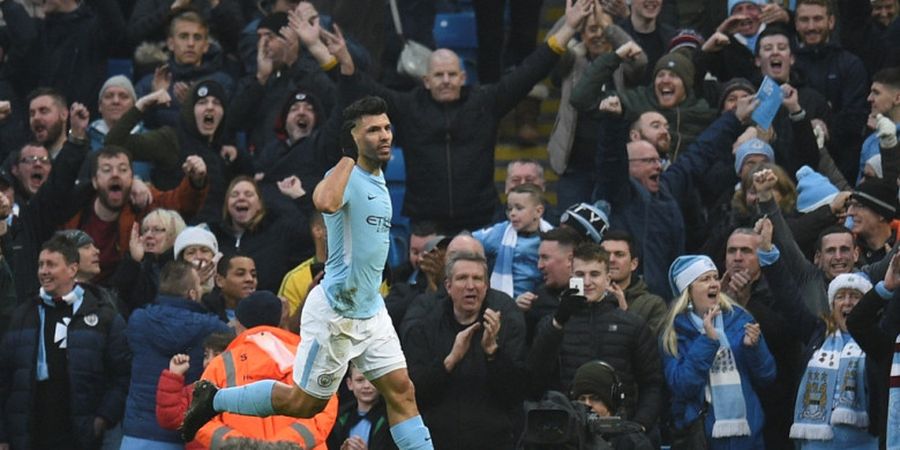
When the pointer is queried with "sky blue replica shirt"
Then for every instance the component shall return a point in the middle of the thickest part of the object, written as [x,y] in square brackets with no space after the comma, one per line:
[358,242]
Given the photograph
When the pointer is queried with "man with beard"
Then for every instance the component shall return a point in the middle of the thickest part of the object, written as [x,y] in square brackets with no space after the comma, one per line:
[47,116]
[837,74]
[200,131]
[109,216]
[653,127]
[41,199]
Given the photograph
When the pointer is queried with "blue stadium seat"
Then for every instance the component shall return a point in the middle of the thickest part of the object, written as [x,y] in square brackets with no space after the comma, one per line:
[119,67]
[455,30]
[395,176]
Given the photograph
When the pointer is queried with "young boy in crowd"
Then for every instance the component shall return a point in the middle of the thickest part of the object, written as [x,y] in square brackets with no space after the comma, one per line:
[362,421]
[512,245]
[172,395]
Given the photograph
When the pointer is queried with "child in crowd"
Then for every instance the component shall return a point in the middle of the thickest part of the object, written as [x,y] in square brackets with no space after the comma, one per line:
[512,245]
[172,396]
[362,421]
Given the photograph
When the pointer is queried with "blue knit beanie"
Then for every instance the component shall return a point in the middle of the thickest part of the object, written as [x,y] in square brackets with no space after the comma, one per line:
[687,268]
[752,147]
[813,190]
[733,3]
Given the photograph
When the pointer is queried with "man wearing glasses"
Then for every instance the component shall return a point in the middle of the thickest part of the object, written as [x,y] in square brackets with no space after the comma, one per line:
[648,202]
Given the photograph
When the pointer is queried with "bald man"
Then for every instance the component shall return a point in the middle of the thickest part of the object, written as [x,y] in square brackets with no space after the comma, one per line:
[449,131]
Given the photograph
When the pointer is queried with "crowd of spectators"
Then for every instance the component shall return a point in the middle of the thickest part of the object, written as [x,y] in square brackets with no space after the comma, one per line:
[722,263]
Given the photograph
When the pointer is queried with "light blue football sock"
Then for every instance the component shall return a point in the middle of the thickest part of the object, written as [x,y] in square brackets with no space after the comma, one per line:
[254,399]
[412,434]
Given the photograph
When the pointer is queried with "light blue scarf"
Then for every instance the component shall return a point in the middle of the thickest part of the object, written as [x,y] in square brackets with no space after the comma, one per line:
[725,386]
[832,392]
[502,276]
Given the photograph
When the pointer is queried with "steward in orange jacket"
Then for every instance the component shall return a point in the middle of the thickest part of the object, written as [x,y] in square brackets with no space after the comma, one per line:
[260,353]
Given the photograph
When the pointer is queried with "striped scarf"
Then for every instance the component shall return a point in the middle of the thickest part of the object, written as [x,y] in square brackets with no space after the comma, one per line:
[502,276]
[832,391]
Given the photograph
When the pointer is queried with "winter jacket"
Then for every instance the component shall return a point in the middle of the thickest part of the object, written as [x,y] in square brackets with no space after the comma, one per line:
[172,400]
[65,51]
[39,217]
[276,245]
[263,353]
[173,144]
[688,374]
[210,68]
[186,199]
[841,77]
[879,343]
[155,333]
[810,330]
[256,108]
[652,308]
[474,407]
[655,219]
[99,368]
[686,121]
[602,331]
[449,147]
[379,437]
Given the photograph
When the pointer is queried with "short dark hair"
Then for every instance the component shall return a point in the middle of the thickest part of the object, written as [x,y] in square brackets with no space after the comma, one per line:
[64,246]
[366,106]
[175,278]
[829,8]
[833,229]
[591,251]
[107,152]
[564,236]
[225,262]
[624,236]
[57,96]
[773,30]
[16,154]
[889,76]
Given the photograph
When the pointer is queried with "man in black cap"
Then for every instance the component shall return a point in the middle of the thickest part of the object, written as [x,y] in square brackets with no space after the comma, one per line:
[200,131]
[280,72]
[306,145]
[872,206]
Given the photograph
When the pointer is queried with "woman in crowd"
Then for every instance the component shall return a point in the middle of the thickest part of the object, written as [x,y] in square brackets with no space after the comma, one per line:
[277,243]
[713,356]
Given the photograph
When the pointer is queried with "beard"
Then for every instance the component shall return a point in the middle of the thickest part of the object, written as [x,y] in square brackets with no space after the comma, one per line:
[103,196]
[53,134]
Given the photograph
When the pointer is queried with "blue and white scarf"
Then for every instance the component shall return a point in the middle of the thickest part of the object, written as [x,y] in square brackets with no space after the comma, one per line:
[73,298]
[502,276]
[725,386]
[893,421]
[832,390]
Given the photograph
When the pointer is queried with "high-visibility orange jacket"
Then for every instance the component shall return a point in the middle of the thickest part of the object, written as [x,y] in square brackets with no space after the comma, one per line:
[263,353]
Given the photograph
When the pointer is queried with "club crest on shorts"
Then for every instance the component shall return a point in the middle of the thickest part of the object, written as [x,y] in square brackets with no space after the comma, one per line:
[325,380]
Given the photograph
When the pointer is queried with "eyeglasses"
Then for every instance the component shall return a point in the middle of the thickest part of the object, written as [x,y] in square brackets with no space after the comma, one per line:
[154,230]
[34,160]
[652,161]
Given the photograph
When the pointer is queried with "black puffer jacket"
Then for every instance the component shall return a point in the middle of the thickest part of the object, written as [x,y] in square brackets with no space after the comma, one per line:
[602,331]
[99,370]
[449,147]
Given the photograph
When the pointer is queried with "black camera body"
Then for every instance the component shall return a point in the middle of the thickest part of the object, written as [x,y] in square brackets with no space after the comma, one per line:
[562,424]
